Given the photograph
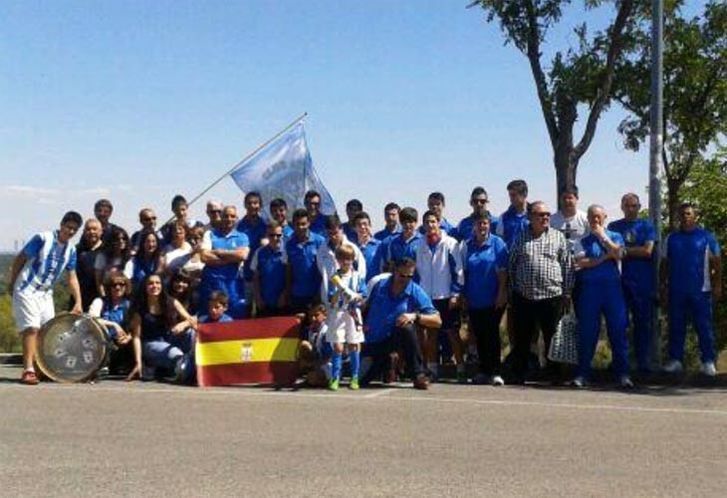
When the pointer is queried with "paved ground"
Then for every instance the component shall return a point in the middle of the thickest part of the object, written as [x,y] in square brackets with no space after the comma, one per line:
[113,438]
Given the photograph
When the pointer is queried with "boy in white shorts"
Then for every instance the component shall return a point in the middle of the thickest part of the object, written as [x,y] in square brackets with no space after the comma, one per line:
[34,272]
[346,291]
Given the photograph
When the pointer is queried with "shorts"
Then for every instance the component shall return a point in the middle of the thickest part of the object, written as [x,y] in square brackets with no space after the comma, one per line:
[342,328]
[450,317]
[32,310]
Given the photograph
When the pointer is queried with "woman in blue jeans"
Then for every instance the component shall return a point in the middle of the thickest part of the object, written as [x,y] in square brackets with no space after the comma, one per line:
[164,329]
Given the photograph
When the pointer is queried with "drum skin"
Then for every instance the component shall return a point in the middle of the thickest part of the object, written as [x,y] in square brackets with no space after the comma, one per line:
[71,348]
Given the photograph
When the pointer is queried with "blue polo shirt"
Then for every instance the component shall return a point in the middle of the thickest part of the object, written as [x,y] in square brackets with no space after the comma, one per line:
[255,233]
[230,241]
[116,313]
[688,254]
[225,318]
[590,247]
[384,234]
[270,265]
[511,225]
[636,271]
[384,309]
[397,248]
[481,264]
[467,225]
[301,256]
[287,232]
[350,232]
[319,225]
[372,255]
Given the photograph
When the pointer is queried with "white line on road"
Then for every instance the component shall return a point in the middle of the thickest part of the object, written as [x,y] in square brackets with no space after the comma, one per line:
[391,394]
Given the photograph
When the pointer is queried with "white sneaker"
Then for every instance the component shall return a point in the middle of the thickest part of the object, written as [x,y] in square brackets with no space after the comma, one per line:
[497,381]
[626,382]
[673,367]
[579,382]
[709,369]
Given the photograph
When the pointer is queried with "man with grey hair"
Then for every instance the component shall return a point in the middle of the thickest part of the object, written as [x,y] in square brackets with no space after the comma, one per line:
[541,274]
[214,214]
[598,256]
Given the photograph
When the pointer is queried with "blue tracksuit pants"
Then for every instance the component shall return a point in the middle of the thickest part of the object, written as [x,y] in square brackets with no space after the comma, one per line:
[596,298]
[639,300]
[699,306]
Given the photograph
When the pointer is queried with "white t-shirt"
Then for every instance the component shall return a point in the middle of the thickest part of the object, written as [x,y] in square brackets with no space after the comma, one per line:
[573,228]
[176,258]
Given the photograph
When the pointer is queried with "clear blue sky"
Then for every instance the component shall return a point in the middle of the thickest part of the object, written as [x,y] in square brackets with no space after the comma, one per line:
[139,100]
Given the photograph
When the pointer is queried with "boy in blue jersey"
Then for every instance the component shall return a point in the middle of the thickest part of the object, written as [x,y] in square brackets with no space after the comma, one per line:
[637,275]
[435,204]
[34,272]
[315,351]
[303,280]
[316,219]
[368,245]
[515,220]
[478,201]
[691,275]
[269,274]
[224,249]
[406,243]
[279,213]
[353,207]
[253,225]
[597,258]
[391,221]
[216,309]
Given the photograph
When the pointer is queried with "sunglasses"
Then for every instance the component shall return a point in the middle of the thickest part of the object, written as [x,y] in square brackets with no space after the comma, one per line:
[116,285]
[276,235]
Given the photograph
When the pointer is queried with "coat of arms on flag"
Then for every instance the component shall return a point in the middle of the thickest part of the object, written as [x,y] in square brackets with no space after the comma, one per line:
[255,351]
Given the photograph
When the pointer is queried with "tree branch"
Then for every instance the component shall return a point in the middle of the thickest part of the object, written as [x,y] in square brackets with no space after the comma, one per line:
[533,54]
[602,95]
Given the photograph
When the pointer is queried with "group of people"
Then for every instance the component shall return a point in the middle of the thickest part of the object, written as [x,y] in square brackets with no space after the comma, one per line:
[374,304]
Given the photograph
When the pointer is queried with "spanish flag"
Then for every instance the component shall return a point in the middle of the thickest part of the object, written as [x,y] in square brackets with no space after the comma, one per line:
[254,351]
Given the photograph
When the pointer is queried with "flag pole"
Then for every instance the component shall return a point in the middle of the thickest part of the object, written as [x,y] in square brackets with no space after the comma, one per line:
[258,149]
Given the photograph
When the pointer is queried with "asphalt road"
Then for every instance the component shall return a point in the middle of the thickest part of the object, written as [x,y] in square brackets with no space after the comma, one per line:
[113,439]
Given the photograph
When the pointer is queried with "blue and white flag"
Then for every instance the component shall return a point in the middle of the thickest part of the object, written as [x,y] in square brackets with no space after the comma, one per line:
[284,169]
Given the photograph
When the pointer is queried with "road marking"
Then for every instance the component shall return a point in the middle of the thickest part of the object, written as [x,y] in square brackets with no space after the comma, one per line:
[390,394]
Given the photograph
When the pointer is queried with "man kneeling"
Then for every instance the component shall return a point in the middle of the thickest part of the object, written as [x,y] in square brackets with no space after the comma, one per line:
[396,305]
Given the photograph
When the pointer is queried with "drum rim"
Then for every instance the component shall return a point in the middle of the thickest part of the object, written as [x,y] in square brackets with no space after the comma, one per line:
[47,371]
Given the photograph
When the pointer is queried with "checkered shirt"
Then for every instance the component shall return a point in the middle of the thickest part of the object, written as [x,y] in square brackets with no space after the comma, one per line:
[541,267]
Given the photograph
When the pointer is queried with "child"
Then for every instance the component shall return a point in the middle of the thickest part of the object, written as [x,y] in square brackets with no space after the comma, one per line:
[315,352]
[345,295]
[216,308]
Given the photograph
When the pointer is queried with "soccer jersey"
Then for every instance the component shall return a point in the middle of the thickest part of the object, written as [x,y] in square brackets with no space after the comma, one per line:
[214,239]
[467,225]
[318,225]
[268,264]
[384,234]
[481,264]
[371,251]
[301,256]
[47,259]
[688,254]
[592,248]
[397,248]
[636,233]
[511,225]
[384,309]
[255,231]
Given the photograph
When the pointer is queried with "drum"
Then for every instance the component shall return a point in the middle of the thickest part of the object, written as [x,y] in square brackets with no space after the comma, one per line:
[71,348]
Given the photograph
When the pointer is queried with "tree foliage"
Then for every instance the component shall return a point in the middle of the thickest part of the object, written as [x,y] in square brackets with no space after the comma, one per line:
[695,92]
[580,75]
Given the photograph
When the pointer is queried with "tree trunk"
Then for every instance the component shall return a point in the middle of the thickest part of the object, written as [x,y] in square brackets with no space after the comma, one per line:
[566,167]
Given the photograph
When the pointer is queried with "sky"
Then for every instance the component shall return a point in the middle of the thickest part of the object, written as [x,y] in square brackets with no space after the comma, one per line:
[137,101]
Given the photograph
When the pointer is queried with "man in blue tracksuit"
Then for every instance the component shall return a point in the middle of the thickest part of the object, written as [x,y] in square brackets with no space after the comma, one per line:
[637,274]
[691,275]
[597,258]
[515,220]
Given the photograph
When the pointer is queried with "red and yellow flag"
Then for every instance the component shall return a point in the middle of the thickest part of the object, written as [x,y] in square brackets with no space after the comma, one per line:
[254,351]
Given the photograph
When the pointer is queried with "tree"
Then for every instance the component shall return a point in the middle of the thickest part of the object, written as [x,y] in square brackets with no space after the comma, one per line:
[581,75]
[695,92]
